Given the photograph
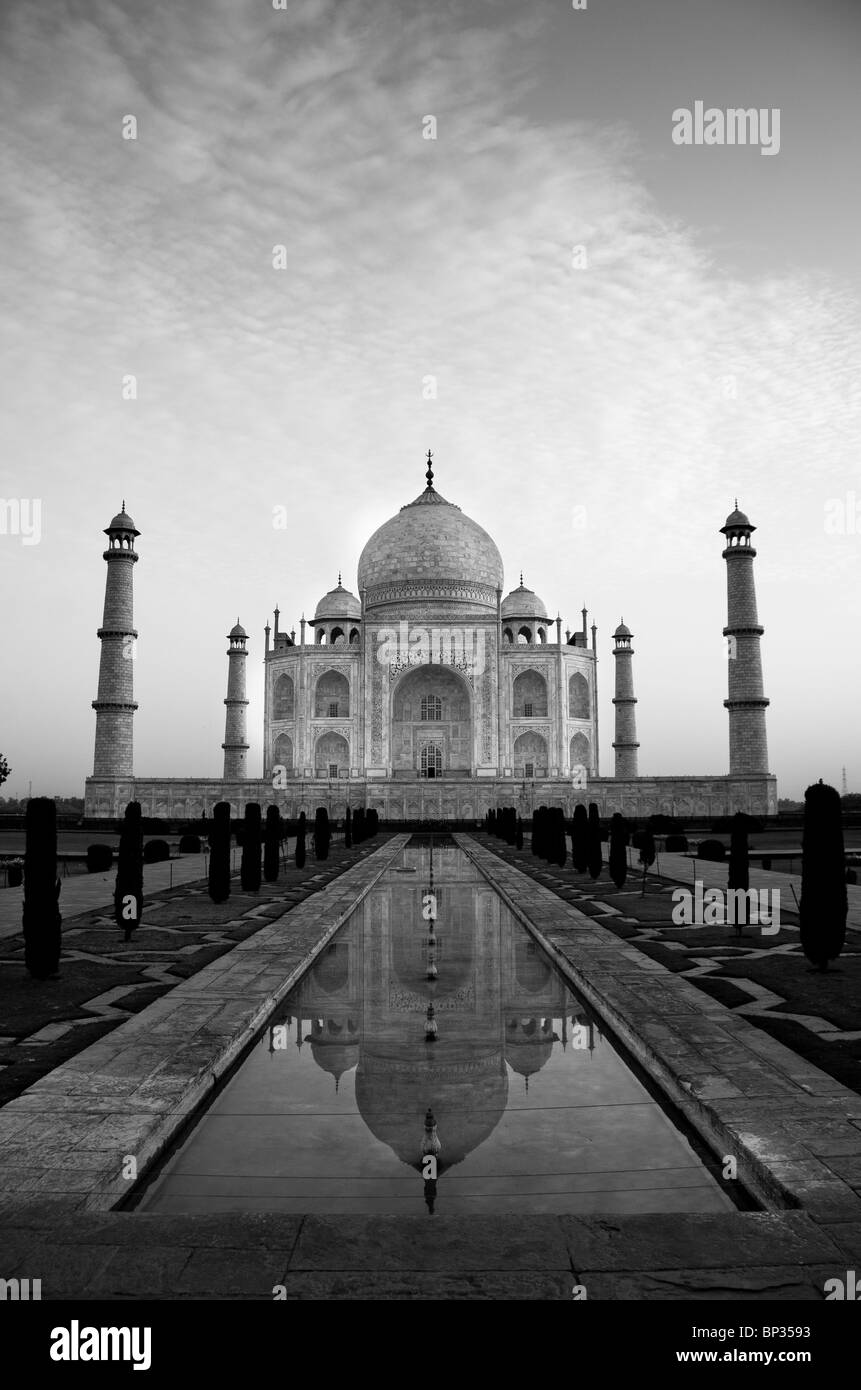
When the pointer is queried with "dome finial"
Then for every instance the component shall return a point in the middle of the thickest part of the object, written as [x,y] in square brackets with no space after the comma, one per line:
[339,579]
[429,473]
[124,504]
[736,504]
[521,579]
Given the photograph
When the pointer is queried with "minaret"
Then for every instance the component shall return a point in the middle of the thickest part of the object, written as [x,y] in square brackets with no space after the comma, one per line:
[235,743]
[748,747]
[626,744]
[115,706]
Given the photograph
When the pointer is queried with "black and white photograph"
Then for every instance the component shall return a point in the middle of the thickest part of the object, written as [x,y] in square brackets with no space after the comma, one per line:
[430,773]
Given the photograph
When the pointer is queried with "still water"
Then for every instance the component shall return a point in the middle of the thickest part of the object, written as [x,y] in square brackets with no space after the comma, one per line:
[532,1108]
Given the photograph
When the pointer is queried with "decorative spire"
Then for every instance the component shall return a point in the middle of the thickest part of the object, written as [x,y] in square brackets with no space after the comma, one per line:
[124,504]
[736,504]
[339,579]
[429,473]
[521,579]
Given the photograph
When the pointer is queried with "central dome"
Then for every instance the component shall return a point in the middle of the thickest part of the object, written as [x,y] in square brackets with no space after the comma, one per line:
[430,550]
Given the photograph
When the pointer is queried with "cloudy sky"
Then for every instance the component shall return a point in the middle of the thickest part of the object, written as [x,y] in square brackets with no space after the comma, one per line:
[596,409]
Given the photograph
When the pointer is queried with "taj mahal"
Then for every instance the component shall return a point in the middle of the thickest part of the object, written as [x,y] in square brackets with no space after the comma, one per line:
[430,694]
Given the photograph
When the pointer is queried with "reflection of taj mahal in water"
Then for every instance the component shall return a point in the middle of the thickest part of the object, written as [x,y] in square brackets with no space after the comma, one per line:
[498,1004]
[430,695]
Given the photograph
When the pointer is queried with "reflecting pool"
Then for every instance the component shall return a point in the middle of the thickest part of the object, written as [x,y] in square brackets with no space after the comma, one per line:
[531,1108]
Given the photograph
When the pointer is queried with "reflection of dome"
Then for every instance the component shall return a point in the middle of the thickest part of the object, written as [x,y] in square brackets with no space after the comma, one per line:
[523,603]
[529,1044]
[468,1096]
[338,603]
[334,1046]
[532,969]
[430,549]
[332,969]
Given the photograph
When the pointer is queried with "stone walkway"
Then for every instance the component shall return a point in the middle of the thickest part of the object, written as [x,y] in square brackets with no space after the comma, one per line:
[795,1133]
[82,893]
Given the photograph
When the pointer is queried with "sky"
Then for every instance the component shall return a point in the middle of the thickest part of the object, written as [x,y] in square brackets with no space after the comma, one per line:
[604,336]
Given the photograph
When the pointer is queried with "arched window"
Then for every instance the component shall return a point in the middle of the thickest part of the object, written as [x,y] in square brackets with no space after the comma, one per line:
[282,752]
[580,752]
[508,637]
[332,756]
[530,756]
[332,696]
[530,696]
[431,707]
[525,633]
[336,637]
[321,637]
[431,761]
[283,707]
[542,635]
[578,697]
[354,637]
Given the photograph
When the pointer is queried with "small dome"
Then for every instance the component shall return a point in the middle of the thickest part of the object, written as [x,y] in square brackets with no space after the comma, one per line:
[122,522]
[737,518]
[338,603]
[623,631]
[523,603]
[237,630]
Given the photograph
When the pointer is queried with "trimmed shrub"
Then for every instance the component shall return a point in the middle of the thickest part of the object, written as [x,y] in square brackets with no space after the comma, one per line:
[322,833]
[359,827]
[272,844]
[518,834]
[713,850]
[676,844]
[42,923]
[647,856]
[348,830]
[618,850]
[249,867]
[99,858]
[373,823]
[156,851]
[15,875]
[190,844]
[128,889]
[593,841]
[301,831]
[219,858]
[580,839]
[739,868]
[824,901]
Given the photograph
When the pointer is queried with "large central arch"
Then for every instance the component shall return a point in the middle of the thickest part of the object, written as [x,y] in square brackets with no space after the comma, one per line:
[432,704]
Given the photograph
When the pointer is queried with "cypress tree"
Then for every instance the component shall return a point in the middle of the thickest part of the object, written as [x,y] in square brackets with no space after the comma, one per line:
[580,839]
[219,853]
[647,854]
[560,842]
[824,901]
[348,830]
[249,866]
[301,831]
[739,866]
[322,833]
[518,838]
[593,843]
[272,844]
[42,923]
[129,884]
[618,850]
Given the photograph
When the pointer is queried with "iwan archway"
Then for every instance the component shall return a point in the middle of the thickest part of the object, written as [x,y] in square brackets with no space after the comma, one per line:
[432,725]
